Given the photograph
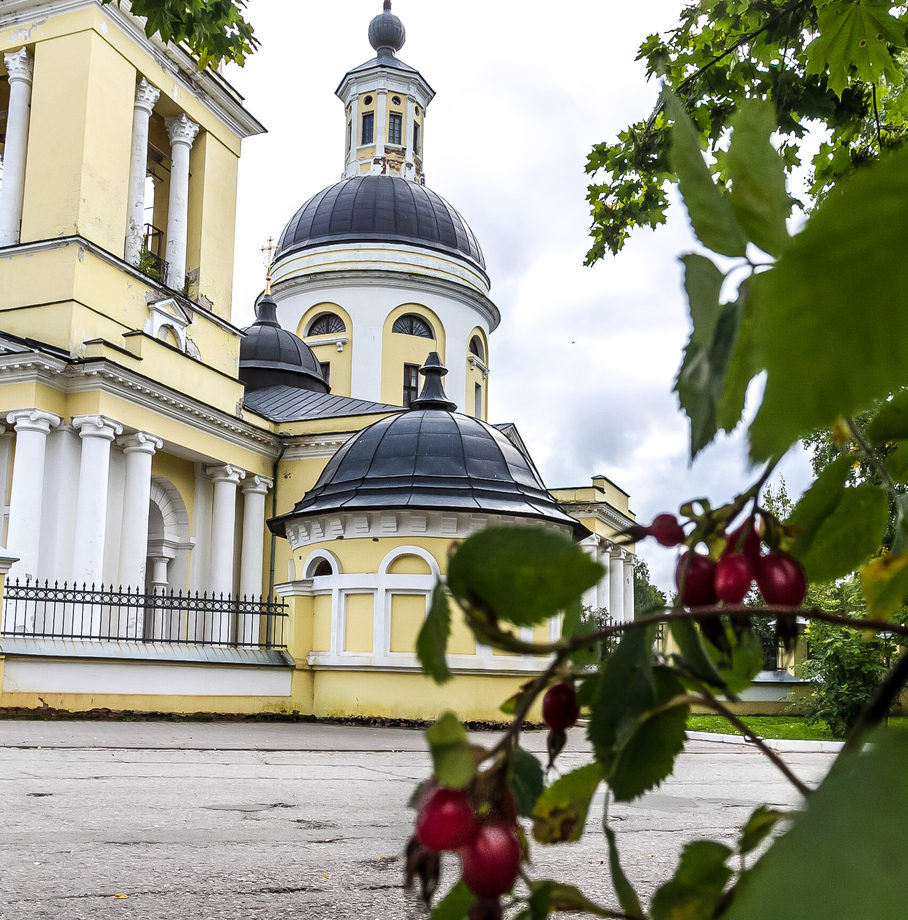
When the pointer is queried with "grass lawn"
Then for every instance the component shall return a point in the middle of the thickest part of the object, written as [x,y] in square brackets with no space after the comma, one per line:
[787,727]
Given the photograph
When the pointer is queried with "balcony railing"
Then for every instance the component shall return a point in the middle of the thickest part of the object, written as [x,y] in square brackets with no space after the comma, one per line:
[55,611]
[151,262]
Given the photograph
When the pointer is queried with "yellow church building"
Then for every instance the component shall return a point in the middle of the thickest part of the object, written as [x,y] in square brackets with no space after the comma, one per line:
[198,517]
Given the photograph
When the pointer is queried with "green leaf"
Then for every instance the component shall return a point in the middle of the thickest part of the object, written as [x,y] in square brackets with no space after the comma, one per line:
[742,364]
[746,661]
[711,215]
[848,847]
[697,885]
[694,655]
[900,535]
[527,780]
[831,340]
[456,904]
[523,575]
[452,755]
[897,463]
[847,536]
[819,501]
[571,625]
[700,380]
[560,813]
[548,896]
[855,34]
[885,584]
[758,194]
[891,421]
[627,897]
[758,827]
[432,641]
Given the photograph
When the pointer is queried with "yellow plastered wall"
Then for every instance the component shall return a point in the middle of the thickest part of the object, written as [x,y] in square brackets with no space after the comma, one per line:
[399,349]
[475,377]
[341,362]
[80,134]
[321,623]
[364,108]
[358,618]
[212,219]
[408,611]
[160,162]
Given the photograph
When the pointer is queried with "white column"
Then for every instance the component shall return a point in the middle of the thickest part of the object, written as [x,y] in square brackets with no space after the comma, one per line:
[590,546]
[19,67]
[352,165]
[410,163]
[146,97]
[381,127]
[223,522]
[96,432]
[629,561]
[254,490]
[616,585]
[182,133]
[139,448]
[27,494]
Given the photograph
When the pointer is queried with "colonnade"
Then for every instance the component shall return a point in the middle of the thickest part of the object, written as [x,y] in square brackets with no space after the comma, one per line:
[181,131]
[98,434]
[615,592]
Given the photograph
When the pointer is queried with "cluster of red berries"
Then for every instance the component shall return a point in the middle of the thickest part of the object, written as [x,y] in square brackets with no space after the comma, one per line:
[489,848]
[702,581]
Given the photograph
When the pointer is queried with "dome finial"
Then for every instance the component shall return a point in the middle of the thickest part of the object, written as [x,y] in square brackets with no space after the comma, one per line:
[386,32]
[433,394]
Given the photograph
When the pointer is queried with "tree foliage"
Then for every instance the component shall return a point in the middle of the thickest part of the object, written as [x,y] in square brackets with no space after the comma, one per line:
[215,31]
[822,316]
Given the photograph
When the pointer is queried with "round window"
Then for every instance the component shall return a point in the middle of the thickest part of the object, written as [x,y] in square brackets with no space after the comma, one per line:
[395,100]
[367,100]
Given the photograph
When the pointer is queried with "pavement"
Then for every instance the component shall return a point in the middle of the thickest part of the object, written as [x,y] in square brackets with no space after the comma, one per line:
[241,821]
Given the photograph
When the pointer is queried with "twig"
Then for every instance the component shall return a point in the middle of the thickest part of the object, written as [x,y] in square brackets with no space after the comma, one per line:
[871,455]
[876,116]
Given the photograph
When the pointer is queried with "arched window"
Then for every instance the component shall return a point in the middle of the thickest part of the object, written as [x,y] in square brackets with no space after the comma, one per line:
[323,568]
[476,348]
[327,324]
[411,324]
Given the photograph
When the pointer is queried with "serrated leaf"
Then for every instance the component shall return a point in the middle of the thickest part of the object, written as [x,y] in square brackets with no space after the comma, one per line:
[864,801]
[627,897]
[742,364]
[891,421]
[456,904]
[694,655]
[745,663]
[548,896]
[697,885]
[710,211]
[700,380]
[846,327]
[758,827]
[855,34]
[850,533]
[885,584]
[819,501]
[453,758]
[758,194]
[527,780]
[432,641]
[560,813]
[522,575]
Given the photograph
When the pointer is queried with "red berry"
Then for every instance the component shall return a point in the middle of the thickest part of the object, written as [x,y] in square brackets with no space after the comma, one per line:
[446,821]
[781,579]
[666,530]
[485,909]
[734,576]
[748,546]
[559,707]
[491,861]
[694,577]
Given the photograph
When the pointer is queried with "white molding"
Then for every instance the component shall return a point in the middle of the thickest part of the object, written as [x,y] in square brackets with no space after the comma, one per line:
[309,447]
[601,511]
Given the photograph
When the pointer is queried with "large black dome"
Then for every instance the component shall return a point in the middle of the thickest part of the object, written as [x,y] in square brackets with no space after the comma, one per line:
[430,458]
[380,209]
[271,355]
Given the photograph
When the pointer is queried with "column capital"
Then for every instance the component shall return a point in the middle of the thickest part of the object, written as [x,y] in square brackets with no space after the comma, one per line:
[140,442]
[33,420]
[616,552]
[181,130]
[96,426]
[258,485]
[18,65]
[225,473]
[146,96]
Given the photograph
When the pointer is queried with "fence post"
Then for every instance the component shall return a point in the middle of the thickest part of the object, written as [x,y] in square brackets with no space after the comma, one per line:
[6,560]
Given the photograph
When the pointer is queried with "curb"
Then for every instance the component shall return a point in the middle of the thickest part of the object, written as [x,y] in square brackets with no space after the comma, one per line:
[782,745]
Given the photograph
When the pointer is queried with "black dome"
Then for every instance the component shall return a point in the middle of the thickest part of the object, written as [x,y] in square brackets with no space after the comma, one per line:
[383,209]
[387,31]
[270,355]
[430,458]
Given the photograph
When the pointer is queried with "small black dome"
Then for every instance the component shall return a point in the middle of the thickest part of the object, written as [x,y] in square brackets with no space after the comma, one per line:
[432,459]
[381,209]
[386,31]
[270,355]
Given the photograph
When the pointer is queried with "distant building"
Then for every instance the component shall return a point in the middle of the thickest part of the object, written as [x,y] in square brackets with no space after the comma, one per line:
[165,474]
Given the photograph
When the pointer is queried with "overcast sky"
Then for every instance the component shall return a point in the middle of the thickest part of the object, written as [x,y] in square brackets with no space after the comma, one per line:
[584,359]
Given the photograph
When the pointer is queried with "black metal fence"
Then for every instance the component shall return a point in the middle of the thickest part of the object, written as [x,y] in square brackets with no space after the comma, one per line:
[55,611]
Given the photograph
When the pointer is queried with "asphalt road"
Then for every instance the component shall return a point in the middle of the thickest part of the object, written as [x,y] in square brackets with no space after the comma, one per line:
[212,821]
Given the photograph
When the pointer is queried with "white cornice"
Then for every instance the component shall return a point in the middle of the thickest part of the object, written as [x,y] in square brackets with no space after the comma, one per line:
[316,446]
[212,90]
[599,510]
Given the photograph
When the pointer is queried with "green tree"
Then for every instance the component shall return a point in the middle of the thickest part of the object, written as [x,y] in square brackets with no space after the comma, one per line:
[647,597]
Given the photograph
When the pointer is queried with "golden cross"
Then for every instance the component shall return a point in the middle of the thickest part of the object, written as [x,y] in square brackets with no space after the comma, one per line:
[269,249]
